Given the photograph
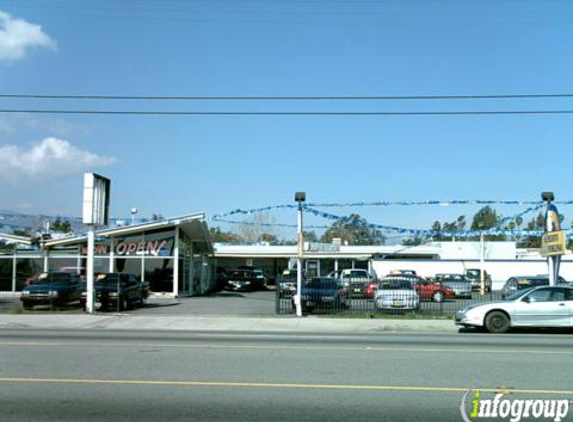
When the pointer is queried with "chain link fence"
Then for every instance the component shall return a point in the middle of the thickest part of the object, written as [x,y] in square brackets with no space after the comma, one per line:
[394,295]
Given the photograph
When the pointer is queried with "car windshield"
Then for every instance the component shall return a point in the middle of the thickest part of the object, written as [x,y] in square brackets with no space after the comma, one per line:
[240,275]
[395,284]
[518,294]
[107,279]
[321,283]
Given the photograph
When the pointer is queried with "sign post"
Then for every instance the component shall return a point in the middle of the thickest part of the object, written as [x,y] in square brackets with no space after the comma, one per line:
[553,241]
[95,213]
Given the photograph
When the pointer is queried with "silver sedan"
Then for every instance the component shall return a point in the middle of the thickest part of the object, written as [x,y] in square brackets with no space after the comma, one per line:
[550,307]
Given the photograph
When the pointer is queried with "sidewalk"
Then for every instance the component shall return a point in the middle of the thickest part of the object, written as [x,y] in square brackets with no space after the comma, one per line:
[224,323]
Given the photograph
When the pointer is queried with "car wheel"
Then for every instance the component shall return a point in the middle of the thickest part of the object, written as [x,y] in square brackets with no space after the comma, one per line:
[28,306]
[123,304]
[497,322]
[438,296]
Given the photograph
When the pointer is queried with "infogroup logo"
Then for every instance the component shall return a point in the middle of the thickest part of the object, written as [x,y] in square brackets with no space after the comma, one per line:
[514,410]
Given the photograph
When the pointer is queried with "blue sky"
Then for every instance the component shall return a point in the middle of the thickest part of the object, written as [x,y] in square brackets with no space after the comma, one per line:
[178,164]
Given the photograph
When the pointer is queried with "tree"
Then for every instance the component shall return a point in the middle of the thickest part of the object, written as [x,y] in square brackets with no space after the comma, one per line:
[60,225]
[355,231]
[256,227]
[220,236]
[21,232]
[537,223]
[485,219]
[268,237]
[157,217]
[310,236]
[457,225]
[413,241]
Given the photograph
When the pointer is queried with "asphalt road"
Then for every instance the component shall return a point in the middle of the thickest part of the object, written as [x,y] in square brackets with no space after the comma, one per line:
[187,376]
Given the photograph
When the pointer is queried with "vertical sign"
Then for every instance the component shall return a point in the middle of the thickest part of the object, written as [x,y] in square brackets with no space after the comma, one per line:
[95,212]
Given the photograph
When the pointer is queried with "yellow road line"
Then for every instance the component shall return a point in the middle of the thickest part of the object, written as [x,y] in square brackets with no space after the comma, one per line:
[282,347]
[275,385]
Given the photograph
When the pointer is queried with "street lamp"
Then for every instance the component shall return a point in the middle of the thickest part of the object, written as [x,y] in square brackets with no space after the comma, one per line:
[299,197]
[133,212]
[552,224]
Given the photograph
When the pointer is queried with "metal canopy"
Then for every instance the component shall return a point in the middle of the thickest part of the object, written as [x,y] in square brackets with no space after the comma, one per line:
[192,225]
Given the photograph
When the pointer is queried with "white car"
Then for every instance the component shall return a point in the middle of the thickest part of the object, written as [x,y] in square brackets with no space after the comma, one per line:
[396,293]
[548,307]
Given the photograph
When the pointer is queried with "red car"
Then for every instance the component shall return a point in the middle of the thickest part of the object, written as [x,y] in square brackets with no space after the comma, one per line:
[429,290]
[371,289]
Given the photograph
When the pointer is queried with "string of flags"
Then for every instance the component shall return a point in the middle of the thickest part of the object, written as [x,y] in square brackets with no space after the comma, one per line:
[311,208]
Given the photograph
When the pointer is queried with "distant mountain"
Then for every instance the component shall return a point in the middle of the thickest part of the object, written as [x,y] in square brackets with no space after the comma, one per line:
[34,223]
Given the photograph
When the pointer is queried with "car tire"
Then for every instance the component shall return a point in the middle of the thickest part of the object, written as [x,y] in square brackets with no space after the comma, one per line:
[497,322]
[123,304]
[438,296]
[27,306]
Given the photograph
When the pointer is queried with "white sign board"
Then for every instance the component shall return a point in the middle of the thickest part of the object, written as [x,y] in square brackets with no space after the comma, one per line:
[96,200]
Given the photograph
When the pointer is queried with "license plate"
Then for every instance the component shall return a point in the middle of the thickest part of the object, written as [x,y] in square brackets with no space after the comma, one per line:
[398,304]
[356,290]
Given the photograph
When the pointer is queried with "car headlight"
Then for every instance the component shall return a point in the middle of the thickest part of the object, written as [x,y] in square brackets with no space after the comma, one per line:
[112,294]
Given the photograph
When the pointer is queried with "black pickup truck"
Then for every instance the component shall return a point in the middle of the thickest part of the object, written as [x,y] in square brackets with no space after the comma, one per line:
[323,292]
[117,292]
[55,288]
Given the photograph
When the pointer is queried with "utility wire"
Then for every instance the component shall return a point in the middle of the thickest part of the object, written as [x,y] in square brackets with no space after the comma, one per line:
[285,98]
[289,113]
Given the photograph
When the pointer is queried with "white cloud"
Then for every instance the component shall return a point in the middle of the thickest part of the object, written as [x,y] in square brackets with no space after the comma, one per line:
[50,159]
[17,35]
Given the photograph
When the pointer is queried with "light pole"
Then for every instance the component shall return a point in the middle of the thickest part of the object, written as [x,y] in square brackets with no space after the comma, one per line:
[133,212]
[552,230]
[299,197]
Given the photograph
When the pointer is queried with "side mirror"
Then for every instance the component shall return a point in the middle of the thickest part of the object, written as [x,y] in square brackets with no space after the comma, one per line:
[526,299]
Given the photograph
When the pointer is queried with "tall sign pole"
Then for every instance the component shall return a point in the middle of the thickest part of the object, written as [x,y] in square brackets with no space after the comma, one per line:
[95,213]
[299,197]
[553,241]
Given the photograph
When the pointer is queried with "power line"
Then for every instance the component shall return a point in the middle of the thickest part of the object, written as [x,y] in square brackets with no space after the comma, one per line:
[288,113]
[284,98]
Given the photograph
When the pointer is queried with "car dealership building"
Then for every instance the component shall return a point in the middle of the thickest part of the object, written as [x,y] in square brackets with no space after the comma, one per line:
[174,255]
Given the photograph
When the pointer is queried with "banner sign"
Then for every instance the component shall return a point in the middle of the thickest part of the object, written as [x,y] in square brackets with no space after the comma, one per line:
[154,248]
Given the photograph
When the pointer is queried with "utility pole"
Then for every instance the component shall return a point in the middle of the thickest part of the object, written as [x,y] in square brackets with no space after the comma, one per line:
[482,265]
[299,197]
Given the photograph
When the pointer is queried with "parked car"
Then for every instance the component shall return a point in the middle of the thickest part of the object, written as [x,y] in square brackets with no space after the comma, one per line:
[244,280]
[322,292]
[460,285]
[396,293]
[371,289]
[548,306]
[286,283]
[401,272]
[474,276]
[58,288]
[427,289]
[222,278]
[356,282]
[259,273]
[335,274]
[117,291]
[515,284]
